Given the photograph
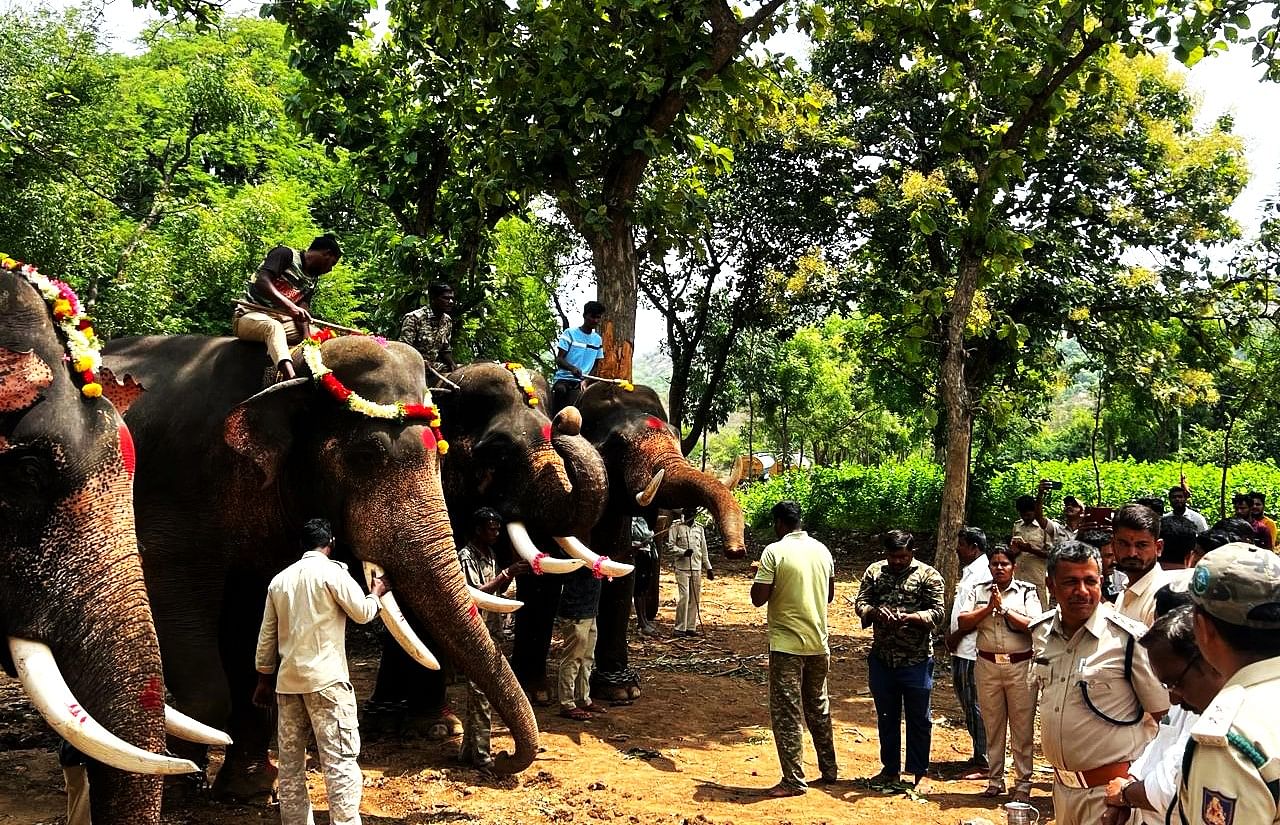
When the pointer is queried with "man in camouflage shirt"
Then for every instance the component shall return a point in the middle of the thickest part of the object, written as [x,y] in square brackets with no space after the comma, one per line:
[429,330]
[903,599]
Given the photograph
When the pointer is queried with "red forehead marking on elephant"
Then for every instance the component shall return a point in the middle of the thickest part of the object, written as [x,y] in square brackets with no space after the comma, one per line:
[152,696]
[546,431]
[655,423]
[474,611]
[127,453]
[428,439]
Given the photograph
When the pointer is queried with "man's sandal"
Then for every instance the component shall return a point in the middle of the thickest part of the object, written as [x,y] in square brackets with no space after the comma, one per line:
[576,714]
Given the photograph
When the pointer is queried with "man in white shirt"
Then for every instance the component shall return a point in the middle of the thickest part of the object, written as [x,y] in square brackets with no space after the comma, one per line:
[304,629]
[689,545]
[1135,535]
[971,548]
[1178,498]
[1152,784]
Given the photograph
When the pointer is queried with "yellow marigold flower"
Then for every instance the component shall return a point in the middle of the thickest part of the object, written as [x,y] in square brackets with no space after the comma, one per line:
[435,422]
[533,401]
[442,446]
[627,386]
[61,308]
[93,389]
[84,363]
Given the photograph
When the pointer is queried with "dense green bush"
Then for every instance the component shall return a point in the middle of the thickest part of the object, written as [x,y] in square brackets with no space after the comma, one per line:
[907,495]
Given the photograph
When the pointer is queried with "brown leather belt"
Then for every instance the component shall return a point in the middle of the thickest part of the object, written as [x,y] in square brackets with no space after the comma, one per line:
[1005,658]
[1092,778]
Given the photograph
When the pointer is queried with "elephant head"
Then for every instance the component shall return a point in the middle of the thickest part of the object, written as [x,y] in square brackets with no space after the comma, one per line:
[646,465]
[370,462]
[542,475]
[73,605]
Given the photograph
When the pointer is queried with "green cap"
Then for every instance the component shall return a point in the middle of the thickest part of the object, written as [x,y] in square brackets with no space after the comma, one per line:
[1233,581]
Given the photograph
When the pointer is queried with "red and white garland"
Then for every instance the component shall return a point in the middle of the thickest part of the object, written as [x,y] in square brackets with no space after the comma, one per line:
[83,346]
[426,411]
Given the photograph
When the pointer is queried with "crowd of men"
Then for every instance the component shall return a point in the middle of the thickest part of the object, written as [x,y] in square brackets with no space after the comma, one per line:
[1146,642]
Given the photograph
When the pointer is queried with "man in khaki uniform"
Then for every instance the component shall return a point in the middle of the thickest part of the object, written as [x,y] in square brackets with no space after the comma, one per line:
[1032,537]
[1231,769]
[1097,688]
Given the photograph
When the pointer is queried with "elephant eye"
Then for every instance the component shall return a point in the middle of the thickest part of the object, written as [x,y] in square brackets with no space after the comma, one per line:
[28,477]
[369,452]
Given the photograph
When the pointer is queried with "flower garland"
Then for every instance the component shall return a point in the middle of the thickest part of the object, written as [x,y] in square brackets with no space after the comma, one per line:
[596,565]
[82,344]
[524,382]
[426,411]
[536,563]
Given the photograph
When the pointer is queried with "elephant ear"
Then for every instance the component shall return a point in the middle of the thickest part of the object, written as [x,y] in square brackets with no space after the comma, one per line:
[260,429]
[120,393]
[22,376]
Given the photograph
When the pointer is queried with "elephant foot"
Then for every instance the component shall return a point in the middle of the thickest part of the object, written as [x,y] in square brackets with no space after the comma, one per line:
[184,789]
[614,693]
[246,781]
[633,692]
[621,686]
[446,725]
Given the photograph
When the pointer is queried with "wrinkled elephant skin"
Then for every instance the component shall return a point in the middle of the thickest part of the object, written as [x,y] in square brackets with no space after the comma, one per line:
[631,432]
[505,453]
[226,477]
[70,577]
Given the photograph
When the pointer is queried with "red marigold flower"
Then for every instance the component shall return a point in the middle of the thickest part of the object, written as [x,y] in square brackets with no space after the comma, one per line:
[335,387]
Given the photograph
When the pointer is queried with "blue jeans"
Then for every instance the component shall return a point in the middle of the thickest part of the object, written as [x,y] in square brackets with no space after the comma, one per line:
[894,688]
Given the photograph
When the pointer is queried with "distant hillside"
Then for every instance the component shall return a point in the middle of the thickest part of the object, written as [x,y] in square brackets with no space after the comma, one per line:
[654,369]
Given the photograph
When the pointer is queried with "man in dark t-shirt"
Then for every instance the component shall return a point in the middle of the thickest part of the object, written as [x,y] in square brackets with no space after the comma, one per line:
[285,282]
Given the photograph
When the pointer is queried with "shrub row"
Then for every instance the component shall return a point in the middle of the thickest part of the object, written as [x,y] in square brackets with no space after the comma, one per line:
[908,495]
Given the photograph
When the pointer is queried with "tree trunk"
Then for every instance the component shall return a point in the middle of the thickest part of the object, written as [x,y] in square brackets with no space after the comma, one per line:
[614,256]
[959,423]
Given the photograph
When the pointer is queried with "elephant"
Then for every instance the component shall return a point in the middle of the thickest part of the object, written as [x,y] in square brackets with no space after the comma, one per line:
[647,472]
[73,605]
[227,473]
[546,480]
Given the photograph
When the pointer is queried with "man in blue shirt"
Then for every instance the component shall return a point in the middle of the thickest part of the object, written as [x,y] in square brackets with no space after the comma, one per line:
[577,351]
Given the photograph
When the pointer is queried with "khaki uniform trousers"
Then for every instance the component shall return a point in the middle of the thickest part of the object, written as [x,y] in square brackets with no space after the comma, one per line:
[278,334]
[688,595]
[578,661]
[77,779]
[331,715]
[1078,806]
[1008,703]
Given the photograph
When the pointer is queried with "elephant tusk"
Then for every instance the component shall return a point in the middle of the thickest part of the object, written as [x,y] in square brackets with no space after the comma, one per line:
[397,624]
[529,551]
[646,496]
[48,691]
[492,603]
[187,729]
[602,565]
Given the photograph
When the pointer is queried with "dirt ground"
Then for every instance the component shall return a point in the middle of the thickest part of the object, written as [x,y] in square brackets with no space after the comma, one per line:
[694,750]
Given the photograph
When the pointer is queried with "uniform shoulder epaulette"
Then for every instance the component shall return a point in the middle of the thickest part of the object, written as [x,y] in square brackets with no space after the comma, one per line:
[1214,725]
[341,564]
[1042,618]
[1133,627]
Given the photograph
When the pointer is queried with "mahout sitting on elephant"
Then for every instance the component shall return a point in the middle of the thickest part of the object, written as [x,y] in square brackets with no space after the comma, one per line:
[647,472]
[73,605]
[226,475]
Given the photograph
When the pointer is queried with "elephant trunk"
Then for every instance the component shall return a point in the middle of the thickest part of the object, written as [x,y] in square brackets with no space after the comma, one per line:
[103,638]
[418,552]
[683,485]
[590,481]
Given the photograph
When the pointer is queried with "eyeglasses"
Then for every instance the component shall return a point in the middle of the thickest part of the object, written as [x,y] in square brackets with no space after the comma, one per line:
[1177,683]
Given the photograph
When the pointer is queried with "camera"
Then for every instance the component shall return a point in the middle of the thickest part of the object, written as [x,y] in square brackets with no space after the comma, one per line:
[1055,485]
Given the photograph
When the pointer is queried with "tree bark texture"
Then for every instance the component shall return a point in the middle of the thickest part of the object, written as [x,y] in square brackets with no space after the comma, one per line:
[614,256]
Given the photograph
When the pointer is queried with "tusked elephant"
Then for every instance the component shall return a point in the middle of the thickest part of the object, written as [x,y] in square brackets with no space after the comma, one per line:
[546,480]
[227,475]
[73,606]
[647,471]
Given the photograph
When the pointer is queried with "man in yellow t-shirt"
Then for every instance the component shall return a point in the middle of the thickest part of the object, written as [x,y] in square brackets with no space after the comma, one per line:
[796,579]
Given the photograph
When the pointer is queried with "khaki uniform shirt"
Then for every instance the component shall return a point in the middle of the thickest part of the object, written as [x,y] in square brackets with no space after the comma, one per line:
[1030,567]
[684,537]
[1075,737]
[918,589]
[1138,601]
[994,633]
[479,567]
[1227,780]
[304,626]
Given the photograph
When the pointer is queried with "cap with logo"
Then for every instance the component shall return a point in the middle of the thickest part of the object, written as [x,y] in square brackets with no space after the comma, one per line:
[1232,582]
